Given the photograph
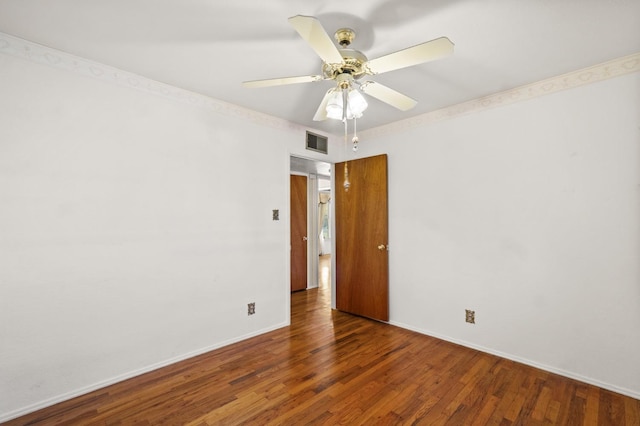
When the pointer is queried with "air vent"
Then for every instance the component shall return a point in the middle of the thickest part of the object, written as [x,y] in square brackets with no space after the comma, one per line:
[317,143]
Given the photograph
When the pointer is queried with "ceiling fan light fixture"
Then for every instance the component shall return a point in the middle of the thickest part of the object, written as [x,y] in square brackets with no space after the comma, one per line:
[334,105]
[356,104]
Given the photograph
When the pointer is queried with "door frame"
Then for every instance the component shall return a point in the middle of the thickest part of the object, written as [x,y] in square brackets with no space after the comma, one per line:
[313,249]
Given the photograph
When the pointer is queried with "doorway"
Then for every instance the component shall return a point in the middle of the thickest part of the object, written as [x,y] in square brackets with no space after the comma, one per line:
[358,224]
[319,220]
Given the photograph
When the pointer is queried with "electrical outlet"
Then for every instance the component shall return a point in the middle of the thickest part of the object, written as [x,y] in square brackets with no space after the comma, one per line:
[470,316]
[251,308]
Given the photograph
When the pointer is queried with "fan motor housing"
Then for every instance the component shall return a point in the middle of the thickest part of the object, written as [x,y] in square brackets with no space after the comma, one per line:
[353,61]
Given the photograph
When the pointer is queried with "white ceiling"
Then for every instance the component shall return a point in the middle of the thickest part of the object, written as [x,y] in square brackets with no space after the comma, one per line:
[210,47]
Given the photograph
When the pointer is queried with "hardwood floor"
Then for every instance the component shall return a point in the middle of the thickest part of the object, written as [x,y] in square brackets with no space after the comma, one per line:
[333,368]
[324,272]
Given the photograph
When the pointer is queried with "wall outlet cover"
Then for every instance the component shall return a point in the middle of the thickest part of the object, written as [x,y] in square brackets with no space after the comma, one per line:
[470,316]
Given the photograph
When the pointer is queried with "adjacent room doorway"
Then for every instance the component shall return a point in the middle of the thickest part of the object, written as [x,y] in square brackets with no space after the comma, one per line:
[360,283]
[310,207]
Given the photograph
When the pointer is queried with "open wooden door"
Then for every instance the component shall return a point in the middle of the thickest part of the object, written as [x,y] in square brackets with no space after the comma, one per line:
[362,259]
[298,206]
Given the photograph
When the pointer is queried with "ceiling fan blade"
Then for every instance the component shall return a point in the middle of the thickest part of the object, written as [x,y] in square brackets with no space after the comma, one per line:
[387,95]
[321,113]
[282,81]
[428,51]
[312,31]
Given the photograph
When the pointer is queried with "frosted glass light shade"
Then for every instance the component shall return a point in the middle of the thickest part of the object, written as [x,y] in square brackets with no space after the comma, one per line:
[334,105]
[356,104]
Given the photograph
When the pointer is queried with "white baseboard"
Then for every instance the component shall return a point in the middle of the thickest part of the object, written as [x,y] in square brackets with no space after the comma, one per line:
[84,390]
[624,391]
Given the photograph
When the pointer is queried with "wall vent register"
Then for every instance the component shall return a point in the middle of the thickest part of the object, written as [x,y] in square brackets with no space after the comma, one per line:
[317,143]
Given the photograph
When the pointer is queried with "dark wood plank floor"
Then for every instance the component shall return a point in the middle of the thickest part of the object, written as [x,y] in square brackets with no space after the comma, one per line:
[333,368]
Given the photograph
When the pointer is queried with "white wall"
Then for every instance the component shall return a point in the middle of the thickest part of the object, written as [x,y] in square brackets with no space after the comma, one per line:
[528,214]
[127,224]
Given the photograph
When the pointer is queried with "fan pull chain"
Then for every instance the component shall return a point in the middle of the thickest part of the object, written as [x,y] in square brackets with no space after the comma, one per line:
[346,183]
[344,105]
[355,139]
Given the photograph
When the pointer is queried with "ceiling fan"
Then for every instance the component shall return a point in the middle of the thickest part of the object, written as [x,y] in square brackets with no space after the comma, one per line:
[348,66]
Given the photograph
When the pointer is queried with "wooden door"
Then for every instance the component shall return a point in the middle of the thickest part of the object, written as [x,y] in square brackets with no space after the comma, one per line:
[299,240]
[362,259]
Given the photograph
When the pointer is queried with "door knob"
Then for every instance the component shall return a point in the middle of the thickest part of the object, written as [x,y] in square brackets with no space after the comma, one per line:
[304,238]
[381,247]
